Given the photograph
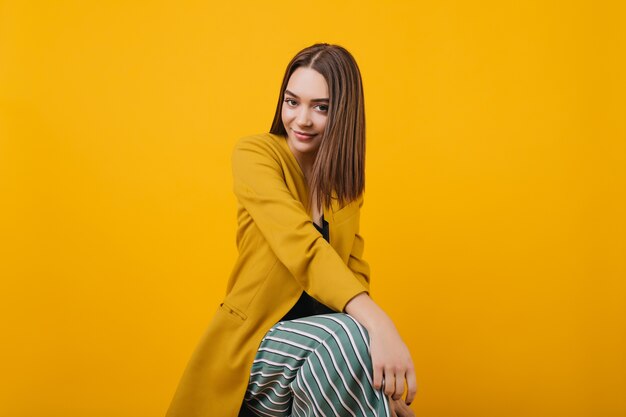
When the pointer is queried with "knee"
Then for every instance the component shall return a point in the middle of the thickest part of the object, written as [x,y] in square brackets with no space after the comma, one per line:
[347,328]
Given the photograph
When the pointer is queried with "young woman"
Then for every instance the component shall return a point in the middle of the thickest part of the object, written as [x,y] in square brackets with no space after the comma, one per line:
[297,332]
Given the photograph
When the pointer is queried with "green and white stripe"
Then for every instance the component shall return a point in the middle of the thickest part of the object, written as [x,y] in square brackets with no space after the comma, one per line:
[315,366]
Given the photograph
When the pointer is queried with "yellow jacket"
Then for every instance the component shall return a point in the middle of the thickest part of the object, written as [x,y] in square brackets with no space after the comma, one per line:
[280,254]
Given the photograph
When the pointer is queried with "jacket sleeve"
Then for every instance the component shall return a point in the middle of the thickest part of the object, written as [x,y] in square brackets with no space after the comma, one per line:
[259,186]
[359,266]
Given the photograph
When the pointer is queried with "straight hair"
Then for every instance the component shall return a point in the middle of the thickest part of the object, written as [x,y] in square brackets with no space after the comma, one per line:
[338,171]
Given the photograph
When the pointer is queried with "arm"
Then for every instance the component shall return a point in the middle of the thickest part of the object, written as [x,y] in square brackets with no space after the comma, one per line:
[390,356]
[356,263]
[260,187]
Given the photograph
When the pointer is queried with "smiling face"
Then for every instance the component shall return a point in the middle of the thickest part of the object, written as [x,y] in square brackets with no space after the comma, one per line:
[304,113]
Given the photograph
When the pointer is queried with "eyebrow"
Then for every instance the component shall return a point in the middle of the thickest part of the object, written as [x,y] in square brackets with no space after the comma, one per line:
[314,100]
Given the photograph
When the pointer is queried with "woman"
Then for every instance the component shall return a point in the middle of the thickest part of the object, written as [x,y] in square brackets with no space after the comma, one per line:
[297,332]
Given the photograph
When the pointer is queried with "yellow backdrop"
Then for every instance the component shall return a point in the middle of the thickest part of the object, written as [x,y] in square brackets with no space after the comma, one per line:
[494,216]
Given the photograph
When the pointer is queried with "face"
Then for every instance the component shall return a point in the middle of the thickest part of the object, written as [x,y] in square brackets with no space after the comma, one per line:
[305,111]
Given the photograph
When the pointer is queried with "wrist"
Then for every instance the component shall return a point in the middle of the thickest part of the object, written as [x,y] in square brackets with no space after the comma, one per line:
[368,313]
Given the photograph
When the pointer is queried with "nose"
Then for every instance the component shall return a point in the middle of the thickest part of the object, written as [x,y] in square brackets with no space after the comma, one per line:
[303,118]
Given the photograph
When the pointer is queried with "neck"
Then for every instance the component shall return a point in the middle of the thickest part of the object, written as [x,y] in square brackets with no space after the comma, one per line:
[305,161]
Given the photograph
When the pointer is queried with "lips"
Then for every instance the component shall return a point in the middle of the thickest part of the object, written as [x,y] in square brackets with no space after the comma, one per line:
[304,133]
[304,137]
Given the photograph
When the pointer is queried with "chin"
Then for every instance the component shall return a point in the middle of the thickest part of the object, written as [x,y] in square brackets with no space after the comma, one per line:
[304,147]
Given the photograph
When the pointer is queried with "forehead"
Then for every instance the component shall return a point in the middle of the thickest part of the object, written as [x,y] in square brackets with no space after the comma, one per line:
[308,84]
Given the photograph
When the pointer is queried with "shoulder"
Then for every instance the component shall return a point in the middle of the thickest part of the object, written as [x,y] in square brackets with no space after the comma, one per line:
[266,143]
[260,153]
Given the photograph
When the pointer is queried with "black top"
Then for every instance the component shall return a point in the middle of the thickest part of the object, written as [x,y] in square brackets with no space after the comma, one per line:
[307,305]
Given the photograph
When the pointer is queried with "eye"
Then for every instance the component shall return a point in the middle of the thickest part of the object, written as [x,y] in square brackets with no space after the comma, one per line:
[323,107]
[287,100]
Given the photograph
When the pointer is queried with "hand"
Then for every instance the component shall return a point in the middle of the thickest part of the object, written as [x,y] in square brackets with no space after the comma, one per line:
[399,409]
[390,355]
[391,359]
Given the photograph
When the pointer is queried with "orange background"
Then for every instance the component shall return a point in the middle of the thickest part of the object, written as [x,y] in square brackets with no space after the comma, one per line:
[494,216]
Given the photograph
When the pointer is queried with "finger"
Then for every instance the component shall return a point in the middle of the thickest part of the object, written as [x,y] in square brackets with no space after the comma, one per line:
[390,382]
[399,410]
[403,410]
[378,376]
[399,383]
[392,407]
[411,385]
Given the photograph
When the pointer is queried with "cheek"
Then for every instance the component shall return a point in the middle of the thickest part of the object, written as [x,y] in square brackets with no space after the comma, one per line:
[320,121]
[286,114]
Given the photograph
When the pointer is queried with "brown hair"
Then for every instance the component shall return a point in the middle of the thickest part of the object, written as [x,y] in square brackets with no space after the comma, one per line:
[339,165]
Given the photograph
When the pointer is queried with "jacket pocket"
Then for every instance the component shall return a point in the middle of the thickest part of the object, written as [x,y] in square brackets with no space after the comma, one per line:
[233,312]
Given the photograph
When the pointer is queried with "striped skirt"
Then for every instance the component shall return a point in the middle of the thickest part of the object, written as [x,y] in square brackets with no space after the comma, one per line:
[315,366]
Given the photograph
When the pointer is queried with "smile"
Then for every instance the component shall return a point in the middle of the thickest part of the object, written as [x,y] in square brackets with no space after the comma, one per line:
[304,136]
